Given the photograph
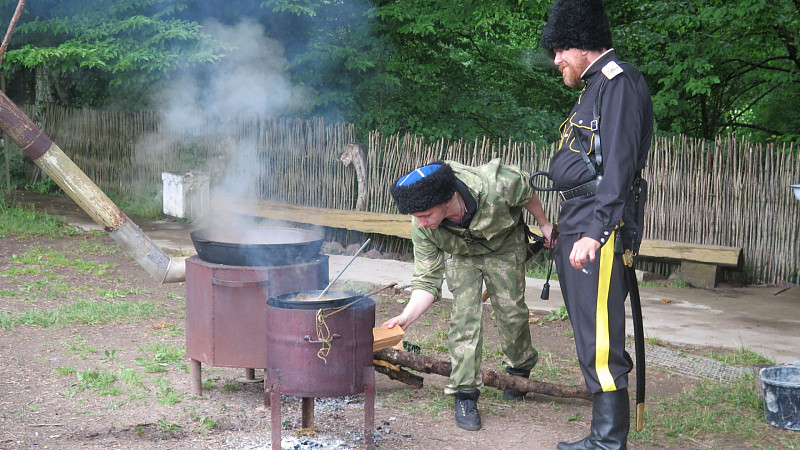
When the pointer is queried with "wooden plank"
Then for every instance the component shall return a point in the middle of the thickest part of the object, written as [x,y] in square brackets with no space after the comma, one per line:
[400,225]
[669,251]
[367,222]
[386,337]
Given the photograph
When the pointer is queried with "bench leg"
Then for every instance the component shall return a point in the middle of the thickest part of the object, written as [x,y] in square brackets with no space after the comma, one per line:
[700,275]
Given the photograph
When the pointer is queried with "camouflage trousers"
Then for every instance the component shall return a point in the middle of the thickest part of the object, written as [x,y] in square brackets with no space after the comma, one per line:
[503,272]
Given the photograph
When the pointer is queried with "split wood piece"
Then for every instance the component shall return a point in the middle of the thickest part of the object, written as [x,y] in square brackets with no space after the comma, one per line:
[386,337]
[398,373]
[491,377]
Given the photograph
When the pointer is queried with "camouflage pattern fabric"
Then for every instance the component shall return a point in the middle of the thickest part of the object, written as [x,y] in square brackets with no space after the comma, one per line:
[504,275]
[491,250]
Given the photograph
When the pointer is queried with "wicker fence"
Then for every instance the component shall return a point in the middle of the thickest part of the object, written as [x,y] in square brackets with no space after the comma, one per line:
[727,192]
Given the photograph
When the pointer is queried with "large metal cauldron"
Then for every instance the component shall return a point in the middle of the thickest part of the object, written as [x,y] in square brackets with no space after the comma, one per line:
[294,365]
[257,246]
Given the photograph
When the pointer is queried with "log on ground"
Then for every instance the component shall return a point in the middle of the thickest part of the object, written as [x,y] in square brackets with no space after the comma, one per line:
[491,377]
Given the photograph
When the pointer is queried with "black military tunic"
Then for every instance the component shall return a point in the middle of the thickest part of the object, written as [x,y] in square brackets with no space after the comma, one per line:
[595,300]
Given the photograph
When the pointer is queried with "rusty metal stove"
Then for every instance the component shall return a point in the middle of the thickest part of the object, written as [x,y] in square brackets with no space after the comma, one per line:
[226,315]
[297,363]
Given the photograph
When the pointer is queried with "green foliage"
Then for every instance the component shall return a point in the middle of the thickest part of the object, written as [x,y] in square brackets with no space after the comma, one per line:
[712,410]
[437,69]
[559,314]
[95,45]
[716,67]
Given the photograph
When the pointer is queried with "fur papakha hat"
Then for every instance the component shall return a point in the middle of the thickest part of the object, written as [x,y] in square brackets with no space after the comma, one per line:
[424,187]
[581,24]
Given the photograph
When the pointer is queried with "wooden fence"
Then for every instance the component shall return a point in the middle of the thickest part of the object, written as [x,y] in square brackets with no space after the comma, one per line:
[726,192]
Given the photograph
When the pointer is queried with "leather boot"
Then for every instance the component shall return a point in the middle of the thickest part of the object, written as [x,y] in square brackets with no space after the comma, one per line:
[466,410]
[513,394]
[611,421]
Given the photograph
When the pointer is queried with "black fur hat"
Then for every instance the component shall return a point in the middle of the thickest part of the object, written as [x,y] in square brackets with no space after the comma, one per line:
[424,187]
[581,24]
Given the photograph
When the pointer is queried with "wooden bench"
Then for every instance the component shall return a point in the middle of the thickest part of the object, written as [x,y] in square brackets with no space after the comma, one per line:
[701,265]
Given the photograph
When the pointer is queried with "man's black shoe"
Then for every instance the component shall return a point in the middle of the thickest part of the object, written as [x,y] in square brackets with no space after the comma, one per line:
[466,410]
[514,395]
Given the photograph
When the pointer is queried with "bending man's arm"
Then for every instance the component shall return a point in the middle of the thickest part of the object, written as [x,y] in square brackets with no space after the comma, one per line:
[419,302]
[534,206]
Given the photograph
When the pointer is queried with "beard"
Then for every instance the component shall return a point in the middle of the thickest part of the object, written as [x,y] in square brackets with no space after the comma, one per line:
[571,72]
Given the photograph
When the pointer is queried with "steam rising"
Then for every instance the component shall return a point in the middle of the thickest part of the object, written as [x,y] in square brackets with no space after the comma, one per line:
[199,106]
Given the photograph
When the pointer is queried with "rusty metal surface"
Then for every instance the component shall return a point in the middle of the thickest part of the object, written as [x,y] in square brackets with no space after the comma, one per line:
[226,315]
[293,350]
[21,129]
[80,188]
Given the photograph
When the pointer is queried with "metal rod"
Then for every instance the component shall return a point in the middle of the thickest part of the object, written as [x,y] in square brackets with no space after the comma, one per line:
[343,269]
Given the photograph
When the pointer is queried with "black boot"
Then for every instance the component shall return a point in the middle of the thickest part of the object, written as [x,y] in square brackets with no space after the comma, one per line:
[466,410]
[513,394]
[611,420]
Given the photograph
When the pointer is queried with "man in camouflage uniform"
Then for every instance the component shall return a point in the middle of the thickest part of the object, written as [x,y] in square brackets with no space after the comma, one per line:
[467,227]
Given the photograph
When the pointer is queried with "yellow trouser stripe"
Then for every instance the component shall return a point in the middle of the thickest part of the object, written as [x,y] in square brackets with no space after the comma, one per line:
[602,332]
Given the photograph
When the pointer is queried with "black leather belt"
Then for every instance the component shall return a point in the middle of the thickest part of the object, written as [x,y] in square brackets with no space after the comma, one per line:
[584,190]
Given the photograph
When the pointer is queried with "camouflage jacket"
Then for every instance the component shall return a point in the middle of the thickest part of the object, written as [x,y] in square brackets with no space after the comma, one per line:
[499,193]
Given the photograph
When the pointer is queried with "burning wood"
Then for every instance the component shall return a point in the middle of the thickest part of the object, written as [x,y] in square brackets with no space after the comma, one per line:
[491,377]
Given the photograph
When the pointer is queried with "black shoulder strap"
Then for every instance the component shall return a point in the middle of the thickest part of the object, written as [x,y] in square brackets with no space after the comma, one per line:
[597,166]
[596,126]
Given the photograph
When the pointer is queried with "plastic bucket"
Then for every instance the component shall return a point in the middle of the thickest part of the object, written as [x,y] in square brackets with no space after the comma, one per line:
[782,396]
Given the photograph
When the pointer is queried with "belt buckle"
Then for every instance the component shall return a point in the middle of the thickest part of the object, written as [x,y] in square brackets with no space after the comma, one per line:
[561,196]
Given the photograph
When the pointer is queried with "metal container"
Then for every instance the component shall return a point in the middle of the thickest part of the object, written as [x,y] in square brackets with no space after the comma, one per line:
[297,363]
[294,347]
[257,246]
[226,311]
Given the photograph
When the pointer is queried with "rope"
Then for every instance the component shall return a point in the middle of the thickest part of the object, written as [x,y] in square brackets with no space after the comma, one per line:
[324,333]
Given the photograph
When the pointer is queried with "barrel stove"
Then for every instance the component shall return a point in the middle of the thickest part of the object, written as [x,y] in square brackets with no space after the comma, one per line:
[320,349]
[226,315]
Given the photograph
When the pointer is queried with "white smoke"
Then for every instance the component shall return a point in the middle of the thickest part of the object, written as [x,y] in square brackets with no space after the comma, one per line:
[250,79]
[199,105]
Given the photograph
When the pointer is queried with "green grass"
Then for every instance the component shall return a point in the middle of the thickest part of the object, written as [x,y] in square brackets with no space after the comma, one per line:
[165,394]
[158,357]
[539,265]
[26,222]
[559,314]
[742,357]
[98,380]
[41,257]
[79,348]
[547,369]
[96,247]
[712,410]
[83,312]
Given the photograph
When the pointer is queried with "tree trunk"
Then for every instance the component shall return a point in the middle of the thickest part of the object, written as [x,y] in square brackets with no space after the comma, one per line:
[491,377]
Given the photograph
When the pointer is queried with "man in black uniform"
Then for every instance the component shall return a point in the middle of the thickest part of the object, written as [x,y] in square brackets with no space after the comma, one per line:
[595,178]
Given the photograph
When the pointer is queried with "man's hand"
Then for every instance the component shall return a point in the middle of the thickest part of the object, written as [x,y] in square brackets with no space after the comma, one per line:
[419,302]
[550,234]
[585,250]
[397,320]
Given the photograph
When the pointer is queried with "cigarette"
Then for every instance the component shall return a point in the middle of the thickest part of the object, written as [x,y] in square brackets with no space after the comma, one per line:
[586,272]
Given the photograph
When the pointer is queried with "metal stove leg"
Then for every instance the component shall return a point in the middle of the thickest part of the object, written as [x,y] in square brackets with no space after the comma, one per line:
[307,420]
[369,407]
[250,374]
[267,391]
[275,408]
[195,373]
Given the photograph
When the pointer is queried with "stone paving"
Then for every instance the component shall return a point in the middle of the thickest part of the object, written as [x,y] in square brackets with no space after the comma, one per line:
[694,366]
